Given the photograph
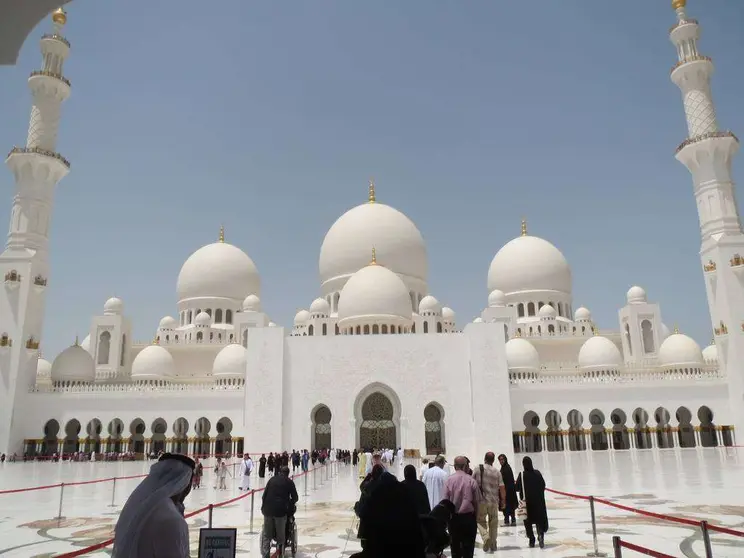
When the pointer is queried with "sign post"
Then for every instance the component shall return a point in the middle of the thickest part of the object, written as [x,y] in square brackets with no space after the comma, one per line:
[217,543]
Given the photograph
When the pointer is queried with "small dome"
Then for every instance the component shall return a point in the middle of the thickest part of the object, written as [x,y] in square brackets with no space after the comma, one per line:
[218,270]
[272,324]
[521,356]
[230,362]
[203,319]
[153,363]
[636,295]
[710,354]
[582,315]
[74,364]
[86,343]
[374,292]
[448,315]
[43,370]
[430,305]
[547,311]
[301,318]
[529,263]
[478,320]
[664,331]
[679,350]
[599,353]
[320,307]
[251,303]
[496,299]
[113,306]
[168,322]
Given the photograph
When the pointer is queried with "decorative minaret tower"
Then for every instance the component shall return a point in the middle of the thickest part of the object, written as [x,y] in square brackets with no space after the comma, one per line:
[24,264]
[707,153]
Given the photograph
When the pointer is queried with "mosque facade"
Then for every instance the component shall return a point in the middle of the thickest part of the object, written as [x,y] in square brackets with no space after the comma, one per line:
[375,360]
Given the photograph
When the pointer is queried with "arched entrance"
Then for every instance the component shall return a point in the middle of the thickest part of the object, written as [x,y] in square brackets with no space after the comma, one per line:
[433,429]
[321,428]
[377,429]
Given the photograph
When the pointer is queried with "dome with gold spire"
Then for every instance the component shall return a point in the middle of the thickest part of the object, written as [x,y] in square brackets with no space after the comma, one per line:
[59,16]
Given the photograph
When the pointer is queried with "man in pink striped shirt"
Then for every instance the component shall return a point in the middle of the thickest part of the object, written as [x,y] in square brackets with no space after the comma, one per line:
[462,490]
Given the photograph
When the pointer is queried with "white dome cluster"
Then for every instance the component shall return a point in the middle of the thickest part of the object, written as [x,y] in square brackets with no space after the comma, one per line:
[496,299]
[430,306]
[320,308]
[113,307]
[75,365]
[251,303]
[153,363]
[680,352]
[522,356]
[230,363]
[599,354]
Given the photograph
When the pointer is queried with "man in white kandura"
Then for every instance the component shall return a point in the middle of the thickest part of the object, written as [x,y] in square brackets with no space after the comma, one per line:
[434,479]
[151,523]
[246,468]
[399,457]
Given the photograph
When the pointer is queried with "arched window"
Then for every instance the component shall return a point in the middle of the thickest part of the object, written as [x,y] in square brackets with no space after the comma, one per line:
[647,333]
[245,338]
[218,316]
[228,316]
[506,332]
[551,328]
[104,347]
[531,309]
[124,348]
[627,339]
[310,329]
[426,326]
[336,329]
[366,330]
[433,429]
[375,329]
[520,310]
[384,328]
[322,428]
[199,336]
[439,327]
[190,316]
[325,329]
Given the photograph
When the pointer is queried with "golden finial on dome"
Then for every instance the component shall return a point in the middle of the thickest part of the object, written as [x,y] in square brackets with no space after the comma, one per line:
[59,16]
[77,342]
[676,329]
[222,233]
[524,227]
[374,257]
[372,190]
[677,4]
[156,341]
[595,330]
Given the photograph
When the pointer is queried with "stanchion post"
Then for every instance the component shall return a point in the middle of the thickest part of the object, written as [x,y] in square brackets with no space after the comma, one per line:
[61,497]
[211,507]
[315,470]
[305,475]
[706,539]
[596,552]
[113,495]
[617,547]
[253,495]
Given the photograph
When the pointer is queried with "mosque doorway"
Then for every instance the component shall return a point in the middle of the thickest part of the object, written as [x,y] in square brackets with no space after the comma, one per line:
[377,429]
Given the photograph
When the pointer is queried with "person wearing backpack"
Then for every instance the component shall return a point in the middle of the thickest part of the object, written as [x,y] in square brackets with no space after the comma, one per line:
[493,497]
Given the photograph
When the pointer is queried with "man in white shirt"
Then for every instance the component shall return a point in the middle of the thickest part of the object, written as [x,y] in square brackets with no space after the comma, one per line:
[434,480]
[246,468]
[151,523]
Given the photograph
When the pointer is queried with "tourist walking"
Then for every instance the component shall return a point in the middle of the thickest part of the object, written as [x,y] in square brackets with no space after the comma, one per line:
[270,461]
[246,468]
[493,495]
[510,487]
[262,466]
[434,479]
[417,490]
[531,486]
[222,474]
[198,472]
[462,490]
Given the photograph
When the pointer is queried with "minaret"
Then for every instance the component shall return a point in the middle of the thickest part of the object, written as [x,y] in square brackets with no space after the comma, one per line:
[24,264]
[707,153]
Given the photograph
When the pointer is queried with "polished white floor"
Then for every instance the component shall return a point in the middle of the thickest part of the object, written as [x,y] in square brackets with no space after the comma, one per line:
[695,483]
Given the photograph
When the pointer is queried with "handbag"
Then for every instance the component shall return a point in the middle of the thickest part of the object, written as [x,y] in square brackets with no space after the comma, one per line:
[521,511]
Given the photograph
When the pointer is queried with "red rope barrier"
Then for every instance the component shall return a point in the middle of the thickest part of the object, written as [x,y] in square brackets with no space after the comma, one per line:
[663,517]
[104,544]
[644,550]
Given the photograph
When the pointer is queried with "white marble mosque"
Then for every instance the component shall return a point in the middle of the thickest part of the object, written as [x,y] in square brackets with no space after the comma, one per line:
[375,359]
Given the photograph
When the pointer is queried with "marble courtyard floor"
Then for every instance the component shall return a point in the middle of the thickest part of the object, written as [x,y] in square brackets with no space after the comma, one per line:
[693,483]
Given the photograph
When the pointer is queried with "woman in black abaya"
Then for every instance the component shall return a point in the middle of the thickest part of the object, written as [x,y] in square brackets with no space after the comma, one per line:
[510,506]
[531,486]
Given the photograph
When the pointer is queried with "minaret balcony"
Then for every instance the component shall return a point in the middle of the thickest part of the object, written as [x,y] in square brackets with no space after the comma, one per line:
[45,73]
[706,136]
[39,151]
[56,37]
[696,58]
[681,22]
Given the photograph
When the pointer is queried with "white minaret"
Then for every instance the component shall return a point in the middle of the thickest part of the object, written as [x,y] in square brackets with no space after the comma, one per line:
[24,264]
[707,153]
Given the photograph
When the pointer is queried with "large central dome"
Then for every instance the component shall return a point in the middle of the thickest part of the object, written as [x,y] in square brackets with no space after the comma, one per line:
[218,270]
[399,244]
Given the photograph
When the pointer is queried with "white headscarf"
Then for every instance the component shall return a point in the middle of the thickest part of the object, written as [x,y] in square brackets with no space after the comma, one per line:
[166,479]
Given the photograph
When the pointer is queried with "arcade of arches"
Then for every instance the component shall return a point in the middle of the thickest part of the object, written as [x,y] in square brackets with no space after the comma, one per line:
[646,431]
[116,437]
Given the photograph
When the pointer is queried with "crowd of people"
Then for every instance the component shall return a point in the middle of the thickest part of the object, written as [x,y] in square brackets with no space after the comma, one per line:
[431,509]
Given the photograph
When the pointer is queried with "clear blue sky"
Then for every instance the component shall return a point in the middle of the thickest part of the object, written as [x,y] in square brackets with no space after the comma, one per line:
[269,117]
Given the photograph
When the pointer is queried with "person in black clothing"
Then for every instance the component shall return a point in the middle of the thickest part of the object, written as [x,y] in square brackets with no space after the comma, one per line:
[262,466]
[279,501]
[512,502]
[389,522]
[271,463]
[417,490]
[436,525]
[531,486]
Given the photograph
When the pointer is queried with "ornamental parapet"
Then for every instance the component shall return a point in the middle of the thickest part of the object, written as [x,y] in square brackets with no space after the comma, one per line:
[694,58]
[628,376]
[136,388]
[681,22]
[56,37]
[54,75]
[708,135]
[39,151]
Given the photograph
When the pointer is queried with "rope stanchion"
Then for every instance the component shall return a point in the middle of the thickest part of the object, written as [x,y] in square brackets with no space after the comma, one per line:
[253,498]
[618,544]
[211,509]
[305,475]
[61,497]
[706,539]
[596,553]
[113,495]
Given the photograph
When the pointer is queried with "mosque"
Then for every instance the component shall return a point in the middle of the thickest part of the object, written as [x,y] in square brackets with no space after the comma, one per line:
[375,360]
